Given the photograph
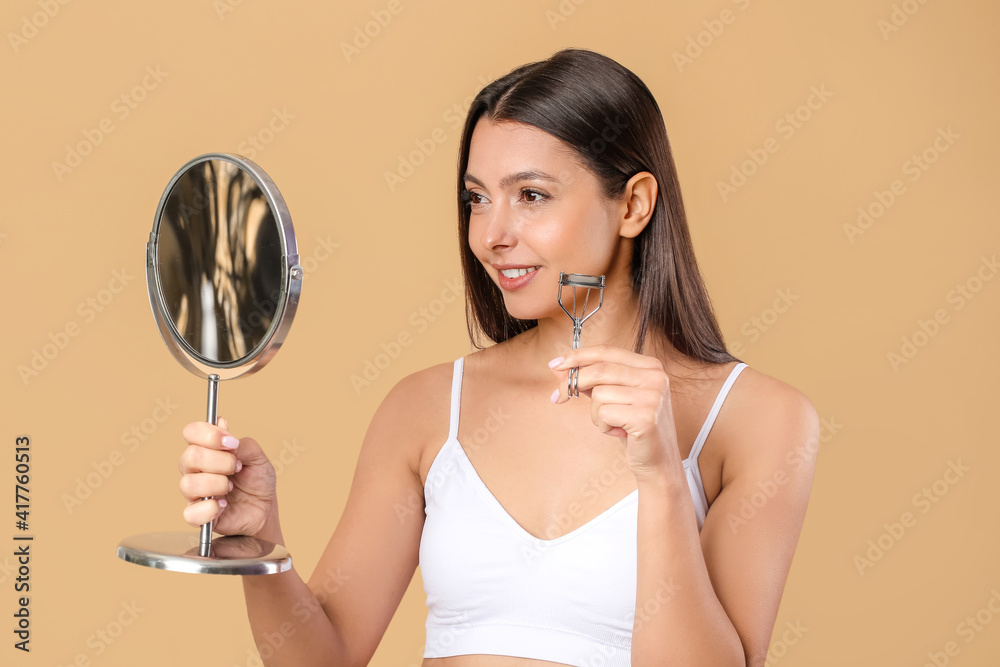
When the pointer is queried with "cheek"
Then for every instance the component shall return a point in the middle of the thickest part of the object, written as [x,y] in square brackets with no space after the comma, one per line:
[548,235]
[474,238]
[597,232]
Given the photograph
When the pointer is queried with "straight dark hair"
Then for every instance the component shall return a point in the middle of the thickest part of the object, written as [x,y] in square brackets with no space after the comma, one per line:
[608,116]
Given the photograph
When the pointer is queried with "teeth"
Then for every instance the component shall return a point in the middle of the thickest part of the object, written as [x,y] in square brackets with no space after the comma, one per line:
[514,273]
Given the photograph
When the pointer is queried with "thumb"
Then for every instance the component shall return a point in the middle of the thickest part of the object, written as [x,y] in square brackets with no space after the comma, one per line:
[250,452]
[561,393]
[223,424]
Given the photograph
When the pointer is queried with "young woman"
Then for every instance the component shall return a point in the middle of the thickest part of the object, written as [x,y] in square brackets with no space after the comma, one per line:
[650,520]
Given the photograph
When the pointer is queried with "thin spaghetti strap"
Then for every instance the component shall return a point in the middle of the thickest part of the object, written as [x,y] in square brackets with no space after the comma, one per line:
[456,397]
[714,412]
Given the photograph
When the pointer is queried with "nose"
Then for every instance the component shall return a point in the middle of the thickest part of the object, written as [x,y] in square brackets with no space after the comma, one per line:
[498,230]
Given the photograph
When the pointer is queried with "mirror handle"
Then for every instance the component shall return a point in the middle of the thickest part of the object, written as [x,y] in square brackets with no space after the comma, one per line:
[205,540]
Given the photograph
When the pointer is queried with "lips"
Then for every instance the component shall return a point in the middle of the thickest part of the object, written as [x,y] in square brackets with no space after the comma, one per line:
[516,276]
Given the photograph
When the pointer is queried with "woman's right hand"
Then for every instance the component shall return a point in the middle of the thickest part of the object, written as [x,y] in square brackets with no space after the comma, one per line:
[236,473]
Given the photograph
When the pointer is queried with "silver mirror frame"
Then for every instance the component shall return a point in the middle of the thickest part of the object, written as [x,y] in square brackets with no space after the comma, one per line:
[288,297]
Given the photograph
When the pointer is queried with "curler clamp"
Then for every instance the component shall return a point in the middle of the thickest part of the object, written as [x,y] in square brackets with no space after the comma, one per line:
[589,283]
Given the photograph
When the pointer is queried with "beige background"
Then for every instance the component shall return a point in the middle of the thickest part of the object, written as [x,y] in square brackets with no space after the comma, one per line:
[379,255]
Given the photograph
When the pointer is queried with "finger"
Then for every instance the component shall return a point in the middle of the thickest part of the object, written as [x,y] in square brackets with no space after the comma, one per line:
[207,435]
[587,355]
[612,393]
[612,419]
[202,511]
[562,390]
[196,459]
[602,373]
[601,398]
[634,404]
[646,398]
[202,485]
[223,424]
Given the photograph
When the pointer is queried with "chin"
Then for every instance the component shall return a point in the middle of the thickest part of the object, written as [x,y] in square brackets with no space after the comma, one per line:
[525,310]
[522,313]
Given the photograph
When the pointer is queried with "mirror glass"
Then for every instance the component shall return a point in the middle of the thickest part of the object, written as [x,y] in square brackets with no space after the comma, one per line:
[219,261]
[222,266]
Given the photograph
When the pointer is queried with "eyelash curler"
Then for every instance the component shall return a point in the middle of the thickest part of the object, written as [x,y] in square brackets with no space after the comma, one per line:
[575,280]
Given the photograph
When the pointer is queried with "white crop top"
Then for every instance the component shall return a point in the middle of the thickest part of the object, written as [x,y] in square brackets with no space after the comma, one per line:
[493,588]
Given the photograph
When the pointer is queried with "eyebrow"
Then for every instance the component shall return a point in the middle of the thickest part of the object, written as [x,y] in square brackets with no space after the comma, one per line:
[510,179]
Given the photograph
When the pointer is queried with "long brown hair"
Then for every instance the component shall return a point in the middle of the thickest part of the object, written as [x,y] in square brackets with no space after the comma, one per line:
[609,117]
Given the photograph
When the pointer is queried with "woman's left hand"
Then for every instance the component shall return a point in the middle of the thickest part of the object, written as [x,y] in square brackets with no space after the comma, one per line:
[630,399]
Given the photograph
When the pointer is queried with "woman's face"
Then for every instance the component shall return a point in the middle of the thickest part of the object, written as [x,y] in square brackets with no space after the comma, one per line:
[535,208]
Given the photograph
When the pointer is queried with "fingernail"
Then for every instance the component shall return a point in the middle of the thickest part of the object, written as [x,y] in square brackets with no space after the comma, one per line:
[229,442]
[555,395]
[230,485]
[222,502]
[239,465]
[555,362]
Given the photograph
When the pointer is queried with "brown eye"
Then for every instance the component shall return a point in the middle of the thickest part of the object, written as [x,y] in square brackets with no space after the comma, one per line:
[532,196]
[471,198]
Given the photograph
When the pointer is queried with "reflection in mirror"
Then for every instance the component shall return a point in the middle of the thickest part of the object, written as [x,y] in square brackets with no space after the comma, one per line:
[219,261]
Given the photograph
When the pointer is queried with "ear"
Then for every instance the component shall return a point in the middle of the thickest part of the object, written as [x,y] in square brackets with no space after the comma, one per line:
[637,203]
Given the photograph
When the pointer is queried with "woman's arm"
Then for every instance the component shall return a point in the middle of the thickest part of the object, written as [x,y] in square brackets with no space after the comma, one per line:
[284,617]
[711,599]
[340,616]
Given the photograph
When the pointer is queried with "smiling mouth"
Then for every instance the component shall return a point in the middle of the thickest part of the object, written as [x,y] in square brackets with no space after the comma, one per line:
[515,278]
[514,273]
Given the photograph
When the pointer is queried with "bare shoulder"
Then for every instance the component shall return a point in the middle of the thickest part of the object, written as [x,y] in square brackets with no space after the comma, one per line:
[764,423]
[415,411]
[765,396]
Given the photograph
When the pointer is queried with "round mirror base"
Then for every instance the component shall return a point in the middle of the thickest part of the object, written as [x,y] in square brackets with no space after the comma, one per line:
[180,552]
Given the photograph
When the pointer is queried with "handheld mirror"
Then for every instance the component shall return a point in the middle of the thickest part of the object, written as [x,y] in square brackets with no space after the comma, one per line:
[224,282]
